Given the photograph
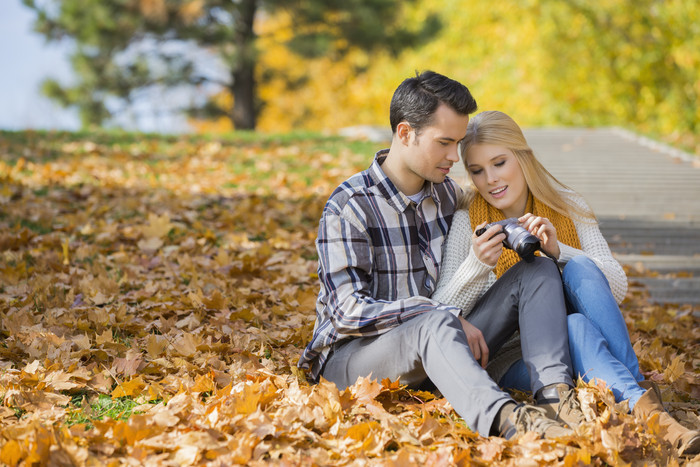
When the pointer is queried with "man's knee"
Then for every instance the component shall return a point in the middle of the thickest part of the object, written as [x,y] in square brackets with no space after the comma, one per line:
[546,265]
[538,267]
[435,320]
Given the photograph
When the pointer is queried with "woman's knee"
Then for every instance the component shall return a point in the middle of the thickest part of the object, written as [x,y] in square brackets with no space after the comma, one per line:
[579,267]
[578,326]
[584,281]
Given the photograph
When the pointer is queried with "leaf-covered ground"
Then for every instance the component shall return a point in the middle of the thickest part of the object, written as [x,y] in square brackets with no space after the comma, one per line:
[155,295]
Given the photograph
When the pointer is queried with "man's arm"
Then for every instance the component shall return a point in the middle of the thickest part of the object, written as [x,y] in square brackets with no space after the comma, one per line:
[347,265]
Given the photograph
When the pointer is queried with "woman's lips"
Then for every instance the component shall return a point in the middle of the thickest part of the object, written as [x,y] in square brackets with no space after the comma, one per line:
[499,192]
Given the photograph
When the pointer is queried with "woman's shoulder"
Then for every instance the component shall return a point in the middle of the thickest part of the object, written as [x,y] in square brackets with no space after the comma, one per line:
[461,216]
[574,197]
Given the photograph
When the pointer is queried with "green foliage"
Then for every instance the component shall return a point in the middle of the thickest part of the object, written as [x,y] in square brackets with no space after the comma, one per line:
[127,47]
[634,64]
[624,62]
[320,64]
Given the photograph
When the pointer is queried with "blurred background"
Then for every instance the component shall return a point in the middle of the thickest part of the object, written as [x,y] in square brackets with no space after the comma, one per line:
[174,66]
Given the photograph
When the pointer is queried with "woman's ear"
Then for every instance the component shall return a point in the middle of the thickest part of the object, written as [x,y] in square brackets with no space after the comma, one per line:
[403,131]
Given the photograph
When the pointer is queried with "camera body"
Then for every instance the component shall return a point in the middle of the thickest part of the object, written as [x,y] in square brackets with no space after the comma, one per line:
[518,238]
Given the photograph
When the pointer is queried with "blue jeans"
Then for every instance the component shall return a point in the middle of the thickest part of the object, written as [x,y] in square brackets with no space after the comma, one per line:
[599,343]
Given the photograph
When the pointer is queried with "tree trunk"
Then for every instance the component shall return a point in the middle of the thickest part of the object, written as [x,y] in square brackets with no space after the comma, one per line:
[244,112]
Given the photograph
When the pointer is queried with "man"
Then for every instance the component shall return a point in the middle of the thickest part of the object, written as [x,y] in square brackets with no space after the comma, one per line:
[380,246]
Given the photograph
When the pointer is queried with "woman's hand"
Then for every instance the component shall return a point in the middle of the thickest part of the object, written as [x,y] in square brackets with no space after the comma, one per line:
[488,246]
[543,229]
[476,341]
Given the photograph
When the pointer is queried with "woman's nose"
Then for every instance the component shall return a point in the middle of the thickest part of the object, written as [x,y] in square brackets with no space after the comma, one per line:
[491,176]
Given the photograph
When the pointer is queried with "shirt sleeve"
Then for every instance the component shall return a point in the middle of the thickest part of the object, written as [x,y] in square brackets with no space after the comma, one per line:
[346,262]
[595,247]
[463,278]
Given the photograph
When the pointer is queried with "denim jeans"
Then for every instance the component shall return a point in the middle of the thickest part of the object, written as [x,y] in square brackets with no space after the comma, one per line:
[599,343]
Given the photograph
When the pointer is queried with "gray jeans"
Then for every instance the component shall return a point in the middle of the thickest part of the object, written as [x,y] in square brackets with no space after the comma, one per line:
[433,346]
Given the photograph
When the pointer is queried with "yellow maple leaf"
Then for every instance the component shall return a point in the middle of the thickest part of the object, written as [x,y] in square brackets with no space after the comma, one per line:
[186,344]
[156,345]
[11,453]
[215,302]
[203,383]
[133,387]
[158,226]
[676,369]
[366,390]
[362,431]
[150,244]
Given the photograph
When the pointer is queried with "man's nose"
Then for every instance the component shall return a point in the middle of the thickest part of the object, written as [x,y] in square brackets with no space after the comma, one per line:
[453,155]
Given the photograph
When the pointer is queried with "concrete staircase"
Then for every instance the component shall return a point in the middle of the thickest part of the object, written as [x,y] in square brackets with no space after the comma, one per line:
[646,196]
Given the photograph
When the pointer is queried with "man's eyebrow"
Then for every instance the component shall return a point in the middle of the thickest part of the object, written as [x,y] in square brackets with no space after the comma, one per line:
[447,138]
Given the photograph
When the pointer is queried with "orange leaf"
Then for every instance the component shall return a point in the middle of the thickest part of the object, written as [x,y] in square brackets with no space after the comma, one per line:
[129,388]
[11,453]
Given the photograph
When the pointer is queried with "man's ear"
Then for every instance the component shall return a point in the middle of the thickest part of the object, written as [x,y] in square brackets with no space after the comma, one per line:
[403,131]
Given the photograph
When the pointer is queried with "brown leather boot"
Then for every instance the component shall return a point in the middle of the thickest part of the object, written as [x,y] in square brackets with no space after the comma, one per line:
[685,441]
[648,384]
[560,403]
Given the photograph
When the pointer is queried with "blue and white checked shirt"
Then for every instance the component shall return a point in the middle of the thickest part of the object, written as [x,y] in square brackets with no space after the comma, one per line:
[379,255]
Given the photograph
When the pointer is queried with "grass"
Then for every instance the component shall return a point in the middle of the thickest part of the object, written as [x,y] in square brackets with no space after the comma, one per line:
[45,146]
[120,408]
[241,162]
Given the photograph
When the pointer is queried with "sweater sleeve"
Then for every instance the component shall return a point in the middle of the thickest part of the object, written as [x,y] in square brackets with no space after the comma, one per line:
[463,278]
[595,247]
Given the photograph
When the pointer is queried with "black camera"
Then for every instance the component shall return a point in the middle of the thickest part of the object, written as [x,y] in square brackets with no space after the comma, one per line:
[518,238]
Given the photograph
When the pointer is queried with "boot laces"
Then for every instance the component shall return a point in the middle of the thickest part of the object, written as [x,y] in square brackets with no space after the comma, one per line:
[530,418]
[569,403]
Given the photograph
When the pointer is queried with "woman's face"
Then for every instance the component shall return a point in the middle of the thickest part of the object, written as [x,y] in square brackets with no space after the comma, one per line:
[497,175]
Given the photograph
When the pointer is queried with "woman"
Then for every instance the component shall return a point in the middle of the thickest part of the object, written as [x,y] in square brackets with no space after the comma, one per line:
[510,182]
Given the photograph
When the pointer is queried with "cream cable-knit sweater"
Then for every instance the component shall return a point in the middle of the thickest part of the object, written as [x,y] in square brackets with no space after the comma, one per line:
[464,279]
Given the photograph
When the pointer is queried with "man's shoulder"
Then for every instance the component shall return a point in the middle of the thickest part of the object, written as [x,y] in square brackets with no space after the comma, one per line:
[357,186]
[449,194]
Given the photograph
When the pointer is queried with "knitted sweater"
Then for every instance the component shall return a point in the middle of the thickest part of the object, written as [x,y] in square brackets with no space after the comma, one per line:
[464,279]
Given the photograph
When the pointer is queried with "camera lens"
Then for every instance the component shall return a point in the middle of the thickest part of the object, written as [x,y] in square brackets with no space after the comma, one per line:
[519,239]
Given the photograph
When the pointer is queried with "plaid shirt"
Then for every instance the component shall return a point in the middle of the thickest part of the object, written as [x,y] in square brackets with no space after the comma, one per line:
[379,255]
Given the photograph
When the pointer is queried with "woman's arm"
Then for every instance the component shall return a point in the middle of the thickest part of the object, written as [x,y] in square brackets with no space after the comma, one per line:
[463,279]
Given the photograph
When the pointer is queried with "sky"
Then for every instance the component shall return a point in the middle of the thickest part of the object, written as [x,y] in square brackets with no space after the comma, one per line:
[26,59]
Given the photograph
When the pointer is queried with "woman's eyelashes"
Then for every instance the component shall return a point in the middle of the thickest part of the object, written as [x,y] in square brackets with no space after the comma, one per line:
[478,171]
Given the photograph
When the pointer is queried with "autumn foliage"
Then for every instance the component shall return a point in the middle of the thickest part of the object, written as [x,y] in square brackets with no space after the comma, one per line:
[155,295]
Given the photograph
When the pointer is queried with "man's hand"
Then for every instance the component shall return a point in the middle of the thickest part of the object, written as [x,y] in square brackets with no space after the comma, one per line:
[476,341]
[489,245]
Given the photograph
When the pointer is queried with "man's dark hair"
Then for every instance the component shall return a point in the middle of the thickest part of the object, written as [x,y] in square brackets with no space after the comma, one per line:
[416,99]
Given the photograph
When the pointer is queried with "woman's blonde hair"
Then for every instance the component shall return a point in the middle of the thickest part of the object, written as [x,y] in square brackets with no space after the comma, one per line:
[497,128]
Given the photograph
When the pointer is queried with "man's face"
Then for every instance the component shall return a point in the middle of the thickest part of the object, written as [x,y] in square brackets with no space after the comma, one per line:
[431,154]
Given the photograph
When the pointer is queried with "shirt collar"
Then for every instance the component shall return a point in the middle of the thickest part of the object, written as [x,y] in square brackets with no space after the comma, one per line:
[392,194]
